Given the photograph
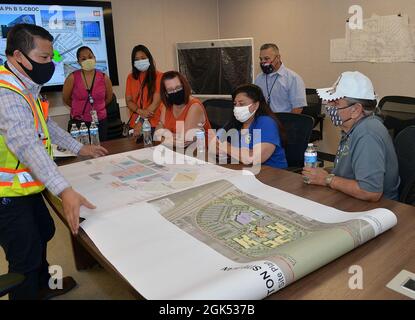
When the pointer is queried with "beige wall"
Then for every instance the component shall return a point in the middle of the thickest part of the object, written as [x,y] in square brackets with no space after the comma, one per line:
[158,24]
[303,29]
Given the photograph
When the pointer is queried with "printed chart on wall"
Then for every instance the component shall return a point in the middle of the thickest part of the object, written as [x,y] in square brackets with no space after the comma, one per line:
[384,39]
[71,27]
[200,231]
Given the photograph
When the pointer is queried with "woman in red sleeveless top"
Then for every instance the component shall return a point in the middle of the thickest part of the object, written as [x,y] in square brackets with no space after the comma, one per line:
[181,113]
[86,91]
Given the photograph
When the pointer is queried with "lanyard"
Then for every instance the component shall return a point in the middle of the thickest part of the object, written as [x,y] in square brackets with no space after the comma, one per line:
[89,89]
[272,87]
[90,99]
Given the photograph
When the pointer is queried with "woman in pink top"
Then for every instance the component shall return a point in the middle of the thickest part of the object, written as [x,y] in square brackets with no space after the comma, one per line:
[87,91]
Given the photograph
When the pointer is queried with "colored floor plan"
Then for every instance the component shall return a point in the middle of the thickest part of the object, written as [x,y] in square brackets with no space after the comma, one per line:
[130,178]
[245,228]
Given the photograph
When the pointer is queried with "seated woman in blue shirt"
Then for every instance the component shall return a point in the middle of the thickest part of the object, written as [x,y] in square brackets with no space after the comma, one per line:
[260,136]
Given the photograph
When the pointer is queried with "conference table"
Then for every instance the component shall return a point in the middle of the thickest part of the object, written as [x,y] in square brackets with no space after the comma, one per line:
[381,259]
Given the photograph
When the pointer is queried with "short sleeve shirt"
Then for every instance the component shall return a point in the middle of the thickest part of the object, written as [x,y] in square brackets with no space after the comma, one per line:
[284,90]
[264,129]
[367,154]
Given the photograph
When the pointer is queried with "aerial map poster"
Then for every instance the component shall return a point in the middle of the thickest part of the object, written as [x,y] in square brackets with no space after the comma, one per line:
[71,27]
[226,236]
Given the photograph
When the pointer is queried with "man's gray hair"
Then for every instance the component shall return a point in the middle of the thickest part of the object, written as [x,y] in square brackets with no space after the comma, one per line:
[369,106]
[269,46]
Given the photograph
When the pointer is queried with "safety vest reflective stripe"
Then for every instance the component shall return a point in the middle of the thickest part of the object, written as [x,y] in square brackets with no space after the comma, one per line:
[12,83]
[33,184]
[6,177]
[23,175]
[6,184]
[6,85]
[14,171]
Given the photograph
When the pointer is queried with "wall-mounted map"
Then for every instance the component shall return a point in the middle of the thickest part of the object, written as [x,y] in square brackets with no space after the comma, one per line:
[383,39]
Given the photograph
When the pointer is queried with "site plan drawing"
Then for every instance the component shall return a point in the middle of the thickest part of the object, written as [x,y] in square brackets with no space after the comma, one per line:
[244,228]
[133,177]
[201,231]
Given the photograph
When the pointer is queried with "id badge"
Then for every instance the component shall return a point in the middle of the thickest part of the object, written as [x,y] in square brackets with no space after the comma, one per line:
[94,116]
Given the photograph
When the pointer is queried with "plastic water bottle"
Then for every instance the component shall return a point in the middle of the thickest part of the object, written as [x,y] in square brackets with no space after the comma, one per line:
[310,156]
[147,139]
[75,132]
[223,155]
[84,133]
[200,141]
[94,134]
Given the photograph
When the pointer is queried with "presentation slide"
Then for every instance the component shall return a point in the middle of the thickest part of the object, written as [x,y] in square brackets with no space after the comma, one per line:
[71,27]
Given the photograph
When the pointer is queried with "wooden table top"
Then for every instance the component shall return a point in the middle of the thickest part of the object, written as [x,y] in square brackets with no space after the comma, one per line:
[381,258]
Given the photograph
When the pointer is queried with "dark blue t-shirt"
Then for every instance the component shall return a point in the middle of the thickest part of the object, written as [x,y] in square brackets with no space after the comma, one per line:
[269,133]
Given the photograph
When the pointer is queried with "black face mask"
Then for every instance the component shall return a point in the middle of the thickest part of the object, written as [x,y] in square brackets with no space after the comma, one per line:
[176,98]
[41,72]
[267,68]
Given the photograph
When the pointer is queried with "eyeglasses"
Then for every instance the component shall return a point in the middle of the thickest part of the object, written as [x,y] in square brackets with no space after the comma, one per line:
[175,90]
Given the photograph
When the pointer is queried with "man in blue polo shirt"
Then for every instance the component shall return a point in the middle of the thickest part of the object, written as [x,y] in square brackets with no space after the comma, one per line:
[283,89]
[366,165]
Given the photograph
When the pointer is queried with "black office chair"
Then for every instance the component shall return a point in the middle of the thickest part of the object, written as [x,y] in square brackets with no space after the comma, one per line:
[398,113]
[298,130]
[115,125]
[10,281]
[313,109]
[219,111]
[405,150]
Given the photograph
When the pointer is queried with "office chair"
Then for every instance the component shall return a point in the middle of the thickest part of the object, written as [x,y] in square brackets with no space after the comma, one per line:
[398,113]
[313,109]
[219,111]
[10,281]
[115,125]
[405,150]
[298,129]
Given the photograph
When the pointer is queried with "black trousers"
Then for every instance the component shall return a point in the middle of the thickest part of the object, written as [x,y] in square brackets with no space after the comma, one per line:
[25,229]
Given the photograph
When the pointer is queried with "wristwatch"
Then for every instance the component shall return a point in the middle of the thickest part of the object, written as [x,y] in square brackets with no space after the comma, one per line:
[329,179]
